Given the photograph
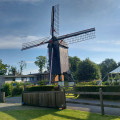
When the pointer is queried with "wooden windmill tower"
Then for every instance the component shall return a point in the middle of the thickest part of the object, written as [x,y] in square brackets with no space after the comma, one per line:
[58,45]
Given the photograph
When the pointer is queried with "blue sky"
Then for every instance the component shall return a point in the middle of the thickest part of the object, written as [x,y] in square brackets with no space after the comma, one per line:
[26,20]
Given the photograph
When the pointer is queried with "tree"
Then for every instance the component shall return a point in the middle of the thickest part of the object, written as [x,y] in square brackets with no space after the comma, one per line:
[13,70]
[74,61]
[88,70]
[40,62]
[3,68]
[22,65]
[107,66]
[118,64]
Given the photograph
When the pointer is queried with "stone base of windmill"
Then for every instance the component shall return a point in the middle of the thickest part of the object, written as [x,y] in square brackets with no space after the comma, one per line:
[61,83]
[71,83]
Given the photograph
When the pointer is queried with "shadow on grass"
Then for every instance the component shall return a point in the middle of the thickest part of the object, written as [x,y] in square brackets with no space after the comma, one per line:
[42,114]
[39,113]
[16,111]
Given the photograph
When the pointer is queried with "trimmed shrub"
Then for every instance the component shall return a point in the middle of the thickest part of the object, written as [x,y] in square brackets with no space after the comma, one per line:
[6,89]
[96,89]
[94,82]
[43,82]
[42,88]
[11,90]
[17,90]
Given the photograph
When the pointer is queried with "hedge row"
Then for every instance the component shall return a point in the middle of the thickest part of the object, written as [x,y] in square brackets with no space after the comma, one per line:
[96,89]
[42,88]
[12,91]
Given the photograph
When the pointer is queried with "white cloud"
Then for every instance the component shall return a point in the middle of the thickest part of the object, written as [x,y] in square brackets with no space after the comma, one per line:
[30,62]
[14,42]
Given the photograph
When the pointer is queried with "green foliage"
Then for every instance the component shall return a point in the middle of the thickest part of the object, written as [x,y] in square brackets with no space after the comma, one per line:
[40,62]
[13,70]
[12,91]
[17,90]
[43,82]
[42,88]
[96,89]
[22,65]
[88,70]
[6,89]
[74,61]
[107,66]
[3,68]
[87,83]
[105,83]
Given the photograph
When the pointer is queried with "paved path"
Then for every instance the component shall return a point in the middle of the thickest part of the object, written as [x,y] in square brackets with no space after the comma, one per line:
[93,108]
[92,101]
[14,103]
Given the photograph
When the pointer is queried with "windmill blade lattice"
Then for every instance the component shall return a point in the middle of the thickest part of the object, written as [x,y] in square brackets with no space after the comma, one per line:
[56,20]
[80,38]
[35,43]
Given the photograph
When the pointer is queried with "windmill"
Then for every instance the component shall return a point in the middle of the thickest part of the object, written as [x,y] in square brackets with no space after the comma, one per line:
[58,45]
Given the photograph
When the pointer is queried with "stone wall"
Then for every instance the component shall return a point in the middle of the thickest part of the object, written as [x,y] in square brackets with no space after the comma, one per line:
[2,81]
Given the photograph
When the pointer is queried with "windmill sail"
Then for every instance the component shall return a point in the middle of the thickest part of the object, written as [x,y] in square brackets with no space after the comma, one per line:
[55,21]
[80,38]
[35,43]
[84,32]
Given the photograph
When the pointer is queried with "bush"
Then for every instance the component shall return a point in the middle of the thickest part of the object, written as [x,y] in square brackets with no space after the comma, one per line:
[43,82]
[10,90]
[96,89]
[42,88]
[87,83]
[105,83]
[17,91]
[6,89]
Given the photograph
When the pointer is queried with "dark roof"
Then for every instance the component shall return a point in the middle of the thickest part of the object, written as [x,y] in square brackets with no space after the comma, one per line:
[63,43]
[46,73]
[18,76]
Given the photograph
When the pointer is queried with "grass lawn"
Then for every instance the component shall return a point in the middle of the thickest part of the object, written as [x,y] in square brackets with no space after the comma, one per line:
[53,114]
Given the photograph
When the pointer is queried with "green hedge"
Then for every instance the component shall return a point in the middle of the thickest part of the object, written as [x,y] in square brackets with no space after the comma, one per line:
[96,89]
[42,88]
[12,91]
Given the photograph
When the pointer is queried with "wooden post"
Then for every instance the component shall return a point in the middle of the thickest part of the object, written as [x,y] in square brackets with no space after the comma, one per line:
[101,101]
[3,97]
[0,95]
[25,88]
[59,87]
[64,98]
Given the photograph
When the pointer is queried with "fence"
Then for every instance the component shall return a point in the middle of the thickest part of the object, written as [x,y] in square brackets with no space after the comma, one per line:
[55,99]
[70,90]
[2,97]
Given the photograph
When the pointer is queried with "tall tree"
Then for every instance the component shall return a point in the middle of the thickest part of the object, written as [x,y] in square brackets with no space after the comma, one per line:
[118,64]
[88,70]
[3,68]
[107,66]
[74,61]
[13,70]
[22,65]
[40,62]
